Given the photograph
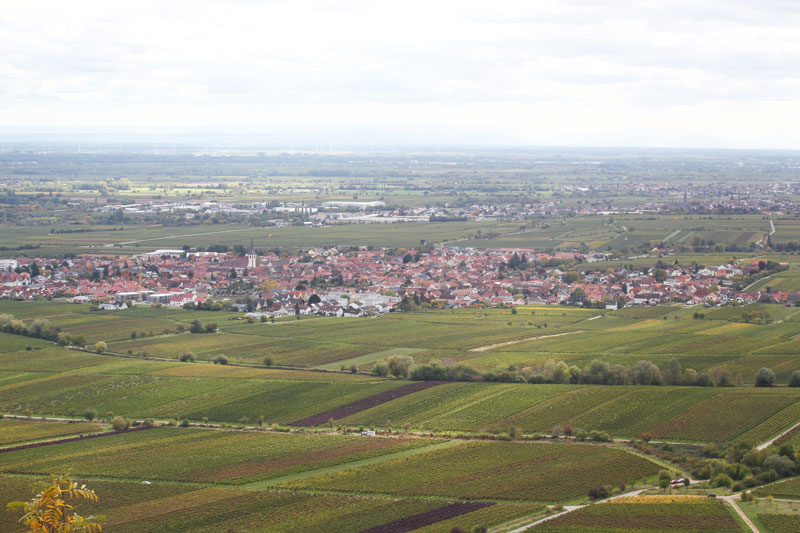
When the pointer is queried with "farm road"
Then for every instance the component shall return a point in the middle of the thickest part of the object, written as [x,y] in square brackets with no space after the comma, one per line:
[508,343]
[732,502]
[570,508]
[177,237]
[766,444]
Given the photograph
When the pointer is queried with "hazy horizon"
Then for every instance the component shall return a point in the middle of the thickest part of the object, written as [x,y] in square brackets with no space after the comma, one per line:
[539,73]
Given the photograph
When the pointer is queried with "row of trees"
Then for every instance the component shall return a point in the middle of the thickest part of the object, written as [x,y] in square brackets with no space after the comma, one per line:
[598,372]
[40,328]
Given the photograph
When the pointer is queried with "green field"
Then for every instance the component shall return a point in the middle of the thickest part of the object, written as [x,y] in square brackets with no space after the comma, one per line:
[671,413]
[203,456]
[13,432]
[496,339]
[787,280]
[620,232]
[201,479]
[60,381]
[135,239]
[129,506]
[629,231]
[513,471]
[503,471]
[788,489]
[773,517]
[649,513]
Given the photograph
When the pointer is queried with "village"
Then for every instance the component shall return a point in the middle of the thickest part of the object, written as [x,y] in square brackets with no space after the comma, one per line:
[351,281]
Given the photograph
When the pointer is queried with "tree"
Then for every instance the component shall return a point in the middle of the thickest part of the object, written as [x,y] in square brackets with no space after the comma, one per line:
[646,373]
[722,480]
[269,285]
[381,369]
[220,360]
[268,361]
[119,423]
[596,493]
[187,357]
[100,347]
[400,365]
[765,378]
[794,381]
[90,414]
[50,512]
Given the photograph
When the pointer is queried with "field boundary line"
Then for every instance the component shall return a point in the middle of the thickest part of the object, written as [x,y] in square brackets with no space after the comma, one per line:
[73,439]
[671,235]
[567,509]
[123,243]
[571,508]
[507,343]
[275,482]
[357,406]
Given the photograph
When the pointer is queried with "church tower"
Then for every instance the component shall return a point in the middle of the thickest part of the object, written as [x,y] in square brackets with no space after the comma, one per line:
[251,257]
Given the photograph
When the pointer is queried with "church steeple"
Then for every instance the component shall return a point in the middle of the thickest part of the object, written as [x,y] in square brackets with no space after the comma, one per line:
[251,257]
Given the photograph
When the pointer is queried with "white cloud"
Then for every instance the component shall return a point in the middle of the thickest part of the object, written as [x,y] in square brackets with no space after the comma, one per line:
[724,73]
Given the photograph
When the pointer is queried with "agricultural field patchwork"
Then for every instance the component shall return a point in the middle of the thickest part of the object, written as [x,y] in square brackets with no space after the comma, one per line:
[201,479]
[673,413]
[648,513]
[64,382]
[503,470]
[191,455]
[16,432]
[130,506]
[497,337]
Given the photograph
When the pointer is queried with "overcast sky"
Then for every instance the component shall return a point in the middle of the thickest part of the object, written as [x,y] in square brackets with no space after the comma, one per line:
[564,72]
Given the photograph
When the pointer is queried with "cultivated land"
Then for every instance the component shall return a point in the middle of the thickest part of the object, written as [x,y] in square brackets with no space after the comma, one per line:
[648,513]
[349,481]
[59,381]
[497,337]
[281,449]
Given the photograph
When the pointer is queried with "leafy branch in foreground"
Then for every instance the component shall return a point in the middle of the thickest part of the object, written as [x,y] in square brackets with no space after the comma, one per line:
[50,512]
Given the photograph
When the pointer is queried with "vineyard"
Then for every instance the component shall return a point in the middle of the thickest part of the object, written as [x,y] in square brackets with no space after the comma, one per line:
[509,471]
[131,507]
[675,413]
[216,478]
[496,338]
[789,489]
[13,432]
[325,479]
[780,523]
[58,381]
[643,514]
[232,458]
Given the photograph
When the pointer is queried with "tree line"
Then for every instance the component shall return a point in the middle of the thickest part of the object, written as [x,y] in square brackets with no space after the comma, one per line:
[597,372]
